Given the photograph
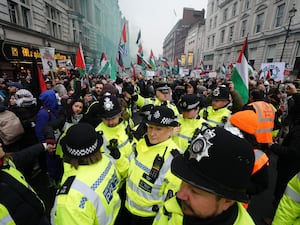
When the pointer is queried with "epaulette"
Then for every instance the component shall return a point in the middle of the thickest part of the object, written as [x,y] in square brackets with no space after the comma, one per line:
[66,186]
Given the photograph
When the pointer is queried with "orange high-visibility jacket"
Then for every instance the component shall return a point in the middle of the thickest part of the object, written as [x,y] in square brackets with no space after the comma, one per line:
[265,115]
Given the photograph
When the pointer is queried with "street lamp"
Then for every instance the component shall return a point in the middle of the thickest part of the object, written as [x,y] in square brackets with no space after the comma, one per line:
[292,13]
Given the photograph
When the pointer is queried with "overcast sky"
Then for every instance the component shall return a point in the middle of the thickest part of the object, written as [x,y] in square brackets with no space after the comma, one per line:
[155,18]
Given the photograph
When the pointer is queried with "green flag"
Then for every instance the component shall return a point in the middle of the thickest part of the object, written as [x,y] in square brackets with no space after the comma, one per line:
[112,74]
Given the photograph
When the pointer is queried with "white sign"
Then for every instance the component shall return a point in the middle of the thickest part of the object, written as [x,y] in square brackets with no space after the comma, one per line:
[67,63]
[274,70]
[48,61]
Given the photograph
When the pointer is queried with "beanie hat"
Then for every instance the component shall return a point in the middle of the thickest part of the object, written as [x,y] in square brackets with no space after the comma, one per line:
[109,88]
[24,98]
[220,93]
[218,162]
[119,80]
[246,121]
[109,106]
[162,116]
[14,84]
[81,140]
[189,102]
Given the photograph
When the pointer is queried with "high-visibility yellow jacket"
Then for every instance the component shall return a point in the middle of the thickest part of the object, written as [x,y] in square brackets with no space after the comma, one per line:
[141,101]
[288,210]
[119,133]
[5,218]
[143,196]
[186,132]
[89,195]
[215,117]
[171,214]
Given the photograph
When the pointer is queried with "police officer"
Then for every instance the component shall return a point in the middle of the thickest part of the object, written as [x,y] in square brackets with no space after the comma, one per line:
[215,170]
[162,97]
[189,120]
[218,113]
[116,139]
[19,203]
[150,180]
[90,183]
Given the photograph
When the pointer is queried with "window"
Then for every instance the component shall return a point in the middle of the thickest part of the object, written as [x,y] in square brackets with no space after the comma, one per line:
[230,34]
[247,4]
[271,53]
[225,14]
[25,17]
[53,21]
[210,24]
[12,8]
[279,15]
[213,41]
[259,23]
[234,8]
[212,7]
[222,36]
[243,28]
[208,40]
[215,21]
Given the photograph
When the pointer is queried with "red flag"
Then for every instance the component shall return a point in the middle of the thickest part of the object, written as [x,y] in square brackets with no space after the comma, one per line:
[124,39]
[79,58]
[42,82]
[268,75]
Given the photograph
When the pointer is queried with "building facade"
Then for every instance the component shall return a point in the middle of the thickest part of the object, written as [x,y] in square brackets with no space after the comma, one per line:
[27,25]
[266,23]
[174,43]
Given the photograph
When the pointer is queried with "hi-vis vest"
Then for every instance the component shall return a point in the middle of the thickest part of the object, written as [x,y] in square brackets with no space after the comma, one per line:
[187,130]
[215,117]
[89,195]
[118,132]
[288,210]
[261,159]
[141,101]
[170,213]
[265,115]
[144,197]
[5,218]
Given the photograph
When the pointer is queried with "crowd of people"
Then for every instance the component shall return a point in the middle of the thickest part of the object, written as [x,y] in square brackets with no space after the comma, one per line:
[166,150]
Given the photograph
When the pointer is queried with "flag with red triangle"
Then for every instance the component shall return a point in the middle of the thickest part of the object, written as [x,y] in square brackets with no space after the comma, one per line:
[123,40]
[176,66]
[104,64]
[152,60]
[79,61]
[240,74]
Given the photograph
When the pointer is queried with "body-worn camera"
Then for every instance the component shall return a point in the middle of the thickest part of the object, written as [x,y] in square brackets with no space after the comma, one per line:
[114,150]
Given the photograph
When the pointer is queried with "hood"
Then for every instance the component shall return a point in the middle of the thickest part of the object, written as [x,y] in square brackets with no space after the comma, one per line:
[48,99]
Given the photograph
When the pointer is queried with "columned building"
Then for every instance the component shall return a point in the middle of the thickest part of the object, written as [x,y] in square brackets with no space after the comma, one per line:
[272,26]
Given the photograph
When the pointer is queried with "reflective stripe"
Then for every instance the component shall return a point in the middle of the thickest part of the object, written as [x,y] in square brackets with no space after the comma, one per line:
[89,194]
[119,146]
[141,208]
[260,117]
[155,194]
[6,220]
[261,159]
[94,186]
[184,137]
[292,194]
[215,122]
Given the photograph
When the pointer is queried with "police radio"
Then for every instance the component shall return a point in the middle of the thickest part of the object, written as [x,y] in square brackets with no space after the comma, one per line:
[156,167]
[114,150]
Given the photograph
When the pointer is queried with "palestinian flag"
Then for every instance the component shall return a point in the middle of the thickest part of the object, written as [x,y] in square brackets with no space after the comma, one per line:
[176,66]
[152,60]
[79,62]
[104,64]
[240,73]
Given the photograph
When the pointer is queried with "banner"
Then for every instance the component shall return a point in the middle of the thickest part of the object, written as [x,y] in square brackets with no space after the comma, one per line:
[274,70]
[48,61]
[67,63]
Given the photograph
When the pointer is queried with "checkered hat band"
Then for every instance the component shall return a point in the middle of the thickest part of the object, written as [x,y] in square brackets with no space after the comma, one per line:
[82,152]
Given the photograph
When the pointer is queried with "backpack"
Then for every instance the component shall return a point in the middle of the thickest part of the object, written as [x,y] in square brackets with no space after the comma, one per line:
[11,128]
